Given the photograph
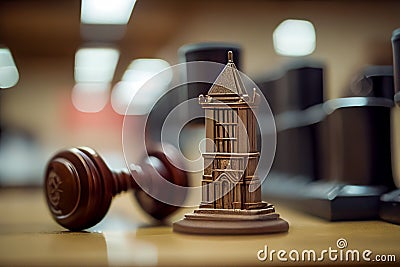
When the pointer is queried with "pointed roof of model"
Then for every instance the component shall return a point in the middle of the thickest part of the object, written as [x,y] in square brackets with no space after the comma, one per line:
[228,83]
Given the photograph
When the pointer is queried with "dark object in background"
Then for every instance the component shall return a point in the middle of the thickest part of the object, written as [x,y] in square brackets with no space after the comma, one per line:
[214,52]
[374,81]
[390,202]
[357,131]
[396,63]
[353,168]
[356,167]
[292,94]
[390,207]
[355,141]
[298,86]
[79,185]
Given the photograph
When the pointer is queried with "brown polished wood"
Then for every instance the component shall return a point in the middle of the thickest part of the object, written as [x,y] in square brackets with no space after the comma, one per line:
[29,237]
[79,186]
[229,204]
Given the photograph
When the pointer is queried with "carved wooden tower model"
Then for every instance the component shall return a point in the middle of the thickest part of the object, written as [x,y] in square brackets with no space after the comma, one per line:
[230,163]
[231,192]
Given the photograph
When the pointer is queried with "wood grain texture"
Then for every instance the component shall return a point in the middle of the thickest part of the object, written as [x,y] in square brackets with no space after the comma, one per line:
[29,236]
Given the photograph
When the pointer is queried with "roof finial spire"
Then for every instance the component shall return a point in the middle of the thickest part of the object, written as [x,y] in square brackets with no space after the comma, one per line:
[230,57]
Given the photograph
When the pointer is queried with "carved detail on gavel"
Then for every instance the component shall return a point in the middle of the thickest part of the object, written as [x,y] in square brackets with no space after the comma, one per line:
[79,186]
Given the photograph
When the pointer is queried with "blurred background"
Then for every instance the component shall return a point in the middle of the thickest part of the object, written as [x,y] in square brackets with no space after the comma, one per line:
[47,109]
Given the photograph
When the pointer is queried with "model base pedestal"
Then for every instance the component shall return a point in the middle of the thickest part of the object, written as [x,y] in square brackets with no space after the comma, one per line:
[232,222]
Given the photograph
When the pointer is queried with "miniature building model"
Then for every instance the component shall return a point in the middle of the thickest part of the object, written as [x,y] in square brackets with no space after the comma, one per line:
[230,164]
[231,192]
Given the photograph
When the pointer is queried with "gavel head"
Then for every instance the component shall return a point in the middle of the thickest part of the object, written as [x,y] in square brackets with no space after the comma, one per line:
[79,186]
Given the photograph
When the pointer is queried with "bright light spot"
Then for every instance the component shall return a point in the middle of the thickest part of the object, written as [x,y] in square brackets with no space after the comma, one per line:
[106,11]
[145,80]
[8,71]
[150,65]
[95,64]
[90,97]
[294,38]
[122,95]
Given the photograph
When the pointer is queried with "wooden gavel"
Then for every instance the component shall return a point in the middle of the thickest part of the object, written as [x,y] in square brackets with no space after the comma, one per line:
[79,186]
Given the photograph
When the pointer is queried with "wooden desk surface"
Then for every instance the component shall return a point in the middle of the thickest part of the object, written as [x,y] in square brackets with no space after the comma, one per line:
[28,236]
